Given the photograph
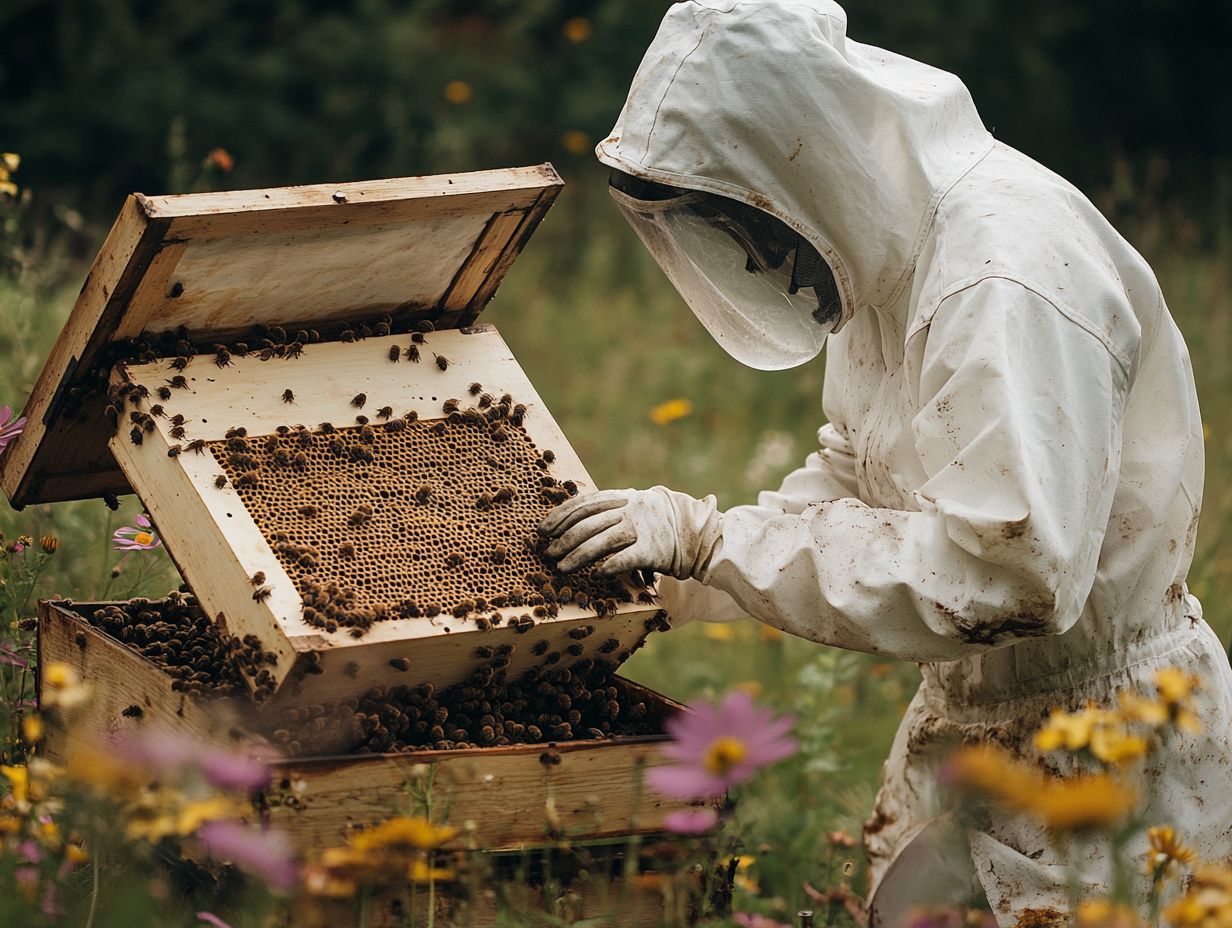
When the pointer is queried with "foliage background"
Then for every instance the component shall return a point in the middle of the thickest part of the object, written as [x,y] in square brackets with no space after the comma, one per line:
[1133,101]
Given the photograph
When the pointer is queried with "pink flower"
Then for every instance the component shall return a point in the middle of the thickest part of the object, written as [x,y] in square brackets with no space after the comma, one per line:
[691,821]
[720,746]
[8,428]
[139,538]
[266,854]
[753,920]
[211,919]
[233,771]
[171,754]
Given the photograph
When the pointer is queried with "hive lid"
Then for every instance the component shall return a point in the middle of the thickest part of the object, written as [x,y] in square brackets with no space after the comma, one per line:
[338,509]
[317,257]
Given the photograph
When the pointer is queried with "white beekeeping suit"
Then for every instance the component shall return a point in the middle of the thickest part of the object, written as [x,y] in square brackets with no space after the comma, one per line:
[1008,485]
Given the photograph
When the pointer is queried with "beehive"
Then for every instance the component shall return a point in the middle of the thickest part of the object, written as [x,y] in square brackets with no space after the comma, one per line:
[345,468]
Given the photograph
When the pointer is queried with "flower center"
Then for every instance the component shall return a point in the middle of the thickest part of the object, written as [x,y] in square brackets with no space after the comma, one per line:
[723,754]
[143,538]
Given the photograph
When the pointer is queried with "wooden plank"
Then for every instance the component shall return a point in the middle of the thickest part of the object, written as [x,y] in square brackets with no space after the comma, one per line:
[594,792]
[216,543]
[49,444]
[290,209]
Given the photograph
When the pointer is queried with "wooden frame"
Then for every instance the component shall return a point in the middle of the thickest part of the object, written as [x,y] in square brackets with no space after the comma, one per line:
[594,790]
[210,260]
[218,547]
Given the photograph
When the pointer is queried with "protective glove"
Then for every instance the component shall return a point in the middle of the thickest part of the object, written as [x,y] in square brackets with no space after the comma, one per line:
[655,529]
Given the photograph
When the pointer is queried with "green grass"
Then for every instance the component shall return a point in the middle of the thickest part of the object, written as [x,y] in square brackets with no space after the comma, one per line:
[605,338]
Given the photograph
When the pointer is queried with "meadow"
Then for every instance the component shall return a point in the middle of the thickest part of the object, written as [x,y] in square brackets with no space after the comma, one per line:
[647,398]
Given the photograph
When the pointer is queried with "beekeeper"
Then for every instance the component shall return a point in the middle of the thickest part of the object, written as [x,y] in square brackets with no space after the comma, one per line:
[1007,487]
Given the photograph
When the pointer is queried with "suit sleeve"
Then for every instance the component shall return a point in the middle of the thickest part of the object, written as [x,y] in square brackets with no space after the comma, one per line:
[1017,425]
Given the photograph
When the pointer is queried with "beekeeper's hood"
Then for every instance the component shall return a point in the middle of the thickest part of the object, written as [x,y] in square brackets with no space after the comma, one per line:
[768,103]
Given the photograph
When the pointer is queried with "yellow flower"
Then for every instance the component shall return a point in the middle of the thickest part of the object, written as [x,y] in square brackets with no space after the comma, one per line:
[58,674]
[575,141]
[416,832]
[1100,913]
[76,854]
[458,92]
[420,871]
[1175,685]
[32,729]
[62,686]
[1081,802]
[10,160]
[19,781]
[1071,731]
[577,29]
[195,814]
[1207,902]
[1165,850]
[1113,745]
[1134,707]
[670,411]
[718,631]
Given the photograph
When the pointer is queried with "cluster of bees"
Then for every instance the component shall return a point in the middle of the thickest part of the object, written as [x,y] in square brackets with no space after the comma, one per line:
[550,703]
[199,656]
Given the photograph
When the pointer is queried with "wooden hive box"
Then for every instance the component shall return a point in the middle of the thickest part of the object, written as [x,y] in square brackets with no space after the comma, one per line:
[347,471]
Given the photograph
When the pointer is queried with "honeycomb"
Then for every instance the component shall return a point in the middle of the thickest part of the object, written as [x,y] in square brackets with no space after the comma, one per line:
[406,518]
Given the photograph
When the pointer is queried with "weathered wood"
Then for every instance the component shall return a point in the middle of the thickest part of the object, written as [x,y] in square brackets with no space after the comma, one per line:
[310,257]
[217,545]
[501,797]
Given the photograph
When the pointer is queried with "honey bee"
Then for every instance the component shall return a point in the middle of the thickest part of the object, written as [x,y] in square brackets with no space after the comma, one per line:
[484,501]
[248,480]
[548,456]
[499,435]
[482,623]
[609,646]
[581,598]
[358,400]
[441,361]
[111,501]
[177,419]
[299,460]
[582,631]
[395,353]
[261,593]
[385,412]
[417,338]
[278,333]
[431,610]
[503,495]
[174,451]
[164,393]
[304,437]
[177,431]
[132,712]
[361,419]
[382,328]
[438,427]
[155,410]
[308,510]
[454,560]
[395,425]
[347,335]
[178,382]
[485,401]
[220,481]
[475,389]
[294,349]
[239,349]
[400,664]
[540,647]
[367,435]
[288,396]
[569,487]
[412,353]
[135,435]
[346,550]
[327,428]
[179,364]
[258,578]
[411,416]
[222,355]
[361,515]
[282,458]
[425,326]
[450,405]
[197,446]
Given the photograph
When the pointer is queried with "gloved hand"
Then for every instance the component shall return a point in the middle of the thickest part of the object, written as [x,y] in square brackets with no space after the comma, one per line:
[655,529]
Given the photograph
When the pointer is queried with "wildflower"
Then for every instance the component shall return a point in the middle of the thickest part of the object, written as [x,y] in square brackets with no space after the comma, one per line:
[62,686]
[263,853]
[9,429]
[671,410]
[718,746]
[1165,851]
[1207,902]
[420,871]
[1113,745]
[138,538]
[458,92]
[233,771]
[19,782]
[719,631]
[691,821]
[220,158]
[577,29]
[1135,707]
[415,832]
[211,919]
[1176,689]
[49,543]
[1100,913]
[32,729]
[1097,730]
[75,854]
[575,141]
[193,815]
